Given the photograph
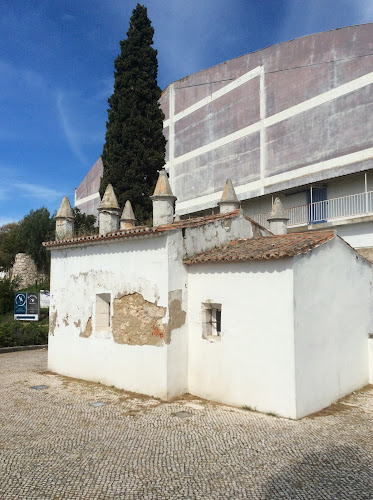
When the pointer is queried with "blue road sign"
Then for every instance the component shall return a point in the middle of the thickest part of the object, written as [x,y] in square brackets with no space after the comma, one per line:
[20,303]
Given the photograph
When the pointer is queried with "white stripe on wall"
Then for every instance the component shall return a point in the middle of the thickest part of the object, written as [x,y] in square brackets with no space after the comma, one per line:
[87,198]
[340,161]
[215,95]
[324,98]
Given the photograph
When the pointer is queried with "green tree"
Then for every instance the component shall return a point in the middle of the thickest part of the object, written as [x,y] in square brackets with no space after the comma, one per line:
[84,224]
[134,147]
[34,228]
[9,245]
[7,291]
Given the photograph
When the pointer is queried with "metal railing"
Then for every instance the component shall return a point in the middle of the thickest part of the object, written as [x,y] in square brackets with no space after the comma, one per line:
[325,211]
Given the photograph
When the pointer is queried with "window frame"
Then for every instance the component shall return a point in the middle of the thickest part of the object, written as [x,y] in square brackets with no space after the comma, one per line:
[103,311]
[211,321]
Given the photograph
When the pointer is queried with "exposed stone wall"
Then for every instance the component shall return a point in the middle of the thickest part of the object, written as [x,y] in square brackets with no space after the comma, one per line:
[25,270]
[367,253]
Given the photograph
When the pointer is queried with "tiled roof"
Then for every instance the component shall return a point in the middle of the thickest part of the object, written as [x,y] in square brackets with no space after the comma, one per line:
[266,247]
[143,230]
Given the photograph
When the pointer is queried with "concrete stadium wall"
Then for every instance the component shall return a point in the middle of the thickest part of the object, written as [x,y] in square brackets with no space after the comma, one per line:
[87,197]
[285,116]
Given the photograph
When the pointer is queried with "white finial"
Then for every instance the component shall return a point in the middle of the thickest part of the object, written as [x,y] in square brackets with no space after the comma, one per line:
[278,218]
[64,220]
[108,212]
[229,201]
[163,201]
[128,218]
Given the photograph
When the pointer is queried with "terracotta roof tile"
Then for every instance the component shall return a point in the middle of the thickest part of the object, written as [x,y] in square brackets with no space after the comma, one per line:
[266,247]
[142,230]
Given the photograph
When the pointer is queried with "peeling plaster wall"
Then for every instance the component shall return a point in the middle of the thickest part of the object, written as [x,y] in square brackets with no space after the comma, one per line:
[137,321]
[202,238]
[332,306]
[135,272]
[145,348]
[253,363]
[177,361]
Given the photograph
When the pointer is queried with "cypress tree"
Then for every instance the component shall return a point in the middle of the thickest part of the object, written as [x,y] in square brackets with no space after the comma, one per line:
[134,147]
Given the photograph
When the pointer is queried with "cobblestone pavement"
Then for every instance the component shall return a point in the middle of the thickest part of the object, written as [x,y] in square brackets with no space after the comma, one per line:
[55,445]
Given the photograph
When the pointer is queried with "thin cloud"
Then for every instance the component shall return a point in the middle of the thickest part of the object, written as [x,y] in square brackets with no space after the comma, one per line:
[4,194]
[366,11]
[106,88]
[71,135]
[36,191]
[68,17]
[186,35]
[303,18]
[6,220]
[28,190]
[11,74]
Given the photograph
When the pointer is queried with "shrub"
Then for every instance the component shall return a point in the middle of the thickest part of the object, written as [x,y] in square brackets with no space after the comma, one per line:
[15,333]
[7,291]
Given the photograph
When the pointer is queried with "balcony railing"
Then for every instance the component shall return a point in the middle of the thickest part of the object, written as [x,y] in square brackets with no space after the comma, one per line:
[325,211]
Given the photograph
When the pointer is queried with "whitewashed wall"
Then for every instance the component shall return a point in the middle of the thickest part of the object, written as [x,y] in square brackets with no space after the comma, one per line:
[358,235]
[332,322]
[77,275]
[177,359]
[253,364]
[370,353]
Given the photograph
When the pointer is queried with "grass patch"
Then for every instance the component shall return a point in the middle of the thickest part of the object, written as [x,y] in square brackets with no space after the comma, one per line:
[248,408]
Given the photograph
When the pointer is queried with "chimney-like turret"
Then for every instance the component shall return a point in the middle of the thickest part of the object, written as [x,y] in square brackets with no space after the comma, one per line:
[229,201]
[64,221]
[128,218]
[163,201]
[108,212]
[278,218]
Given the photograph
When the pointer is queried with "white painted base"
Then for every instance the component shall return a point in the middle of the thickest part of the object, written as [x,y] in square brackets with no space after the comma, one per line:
[140,369]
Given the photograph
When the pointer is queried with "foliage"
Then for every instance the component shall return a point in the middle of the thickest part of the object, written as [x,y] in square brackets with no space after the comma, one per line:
[34,228]
[43,285]
[7,291]
[84,224]
[27,236]
[15,333]
[135,146]
[8,244]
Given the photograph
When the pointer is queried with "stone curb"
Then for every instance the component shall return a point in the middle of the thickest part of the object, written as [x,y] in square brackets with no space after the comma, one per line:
[4,350]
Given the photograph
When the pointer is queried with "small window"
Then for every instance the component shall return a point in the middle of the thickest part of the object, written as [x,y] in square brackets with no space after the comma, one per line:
[216,321]
[103,312]
[211,321]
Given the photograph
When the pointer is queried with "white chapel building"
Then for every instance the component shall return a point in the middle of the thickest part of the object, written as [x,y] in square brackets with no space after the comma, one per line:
[216,306]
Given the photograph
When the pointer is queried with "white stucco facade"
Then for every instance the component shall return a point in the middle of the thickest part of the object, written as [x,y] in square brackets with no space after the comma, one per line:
[331,320]
[252,364]
[106,268]
[148,268]
[294,330]
[129,309]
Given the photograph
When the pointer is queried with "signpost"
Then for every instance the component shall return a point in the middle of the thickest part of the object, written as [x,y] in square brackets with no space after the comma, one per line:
[26,306]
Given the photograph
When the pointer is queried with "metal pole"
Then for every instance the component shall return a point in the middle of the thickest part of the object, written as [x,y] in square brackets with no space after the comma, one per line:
[311,206]
[366,193]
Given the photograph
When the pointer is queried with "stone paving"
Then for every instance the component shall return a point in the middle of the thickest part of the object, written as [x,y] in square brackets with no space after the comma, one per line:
[54,445]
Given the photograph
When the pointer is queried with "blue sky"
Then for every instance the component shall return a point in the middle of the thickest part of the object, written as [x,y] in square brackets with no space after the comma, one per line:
[56,73]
